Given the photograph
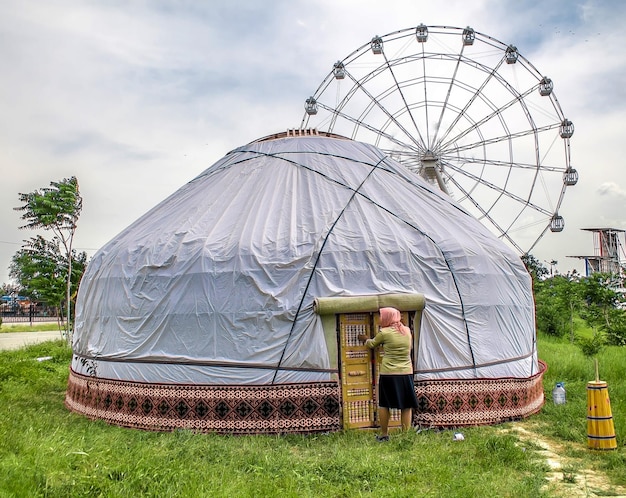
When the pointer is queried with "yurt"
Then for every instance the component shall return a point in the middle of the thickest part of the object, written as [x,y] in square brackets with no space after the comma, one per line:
[234,305]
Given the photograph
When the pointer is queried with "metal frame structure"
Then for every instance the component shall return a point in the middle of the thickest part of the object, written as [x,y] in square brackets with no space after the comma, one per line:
[607,251]
[467,112]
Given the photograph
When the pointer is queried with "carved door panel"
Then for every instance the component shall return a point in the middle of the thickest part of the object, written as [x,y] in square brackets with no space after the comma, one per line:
[360,369]
[356,371]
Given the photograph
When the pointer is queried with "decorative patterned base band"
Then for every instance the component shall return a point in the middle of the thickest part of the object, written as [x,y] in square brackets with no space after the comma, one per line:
[454,403]
[299,408]
[289,408]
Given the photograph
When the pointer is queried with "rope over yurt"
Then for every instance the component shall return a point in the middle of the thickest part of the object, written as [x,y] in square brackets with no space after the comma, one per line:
[222,308]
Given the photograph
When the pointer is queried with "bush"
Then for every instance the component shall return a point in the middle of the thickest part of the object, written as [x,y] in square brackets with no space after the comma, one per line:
[591,346]
[616,330]
[550,319]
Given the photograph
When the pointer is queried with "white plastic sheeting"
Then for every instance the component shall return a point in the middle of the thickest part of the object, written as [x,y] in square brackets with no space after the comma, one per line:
[216,284]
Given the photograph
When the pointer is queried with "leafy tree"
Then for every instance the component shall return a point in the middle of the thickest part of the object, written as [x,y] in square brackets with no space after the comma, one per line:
[557,301]
[38,269]
[569,297]
[56,208]
[534,267]
[8,289]
[616,329]
[41,270]
[549,320]
[601,308]
[593,345]
[600,298]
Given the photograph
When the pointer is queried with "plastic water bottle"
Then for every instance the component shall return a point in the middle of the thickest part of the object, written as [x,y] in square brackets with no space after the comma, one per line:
[558,394]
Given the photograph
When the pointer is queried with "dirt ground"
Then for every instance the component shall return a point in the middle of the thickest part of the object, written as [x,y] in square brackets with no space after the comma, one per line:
[16,340]
[568,477]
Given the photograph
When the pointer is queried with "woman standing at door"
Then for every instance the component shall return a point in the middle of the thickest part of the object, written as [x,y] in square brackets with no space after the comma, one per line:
[395,383]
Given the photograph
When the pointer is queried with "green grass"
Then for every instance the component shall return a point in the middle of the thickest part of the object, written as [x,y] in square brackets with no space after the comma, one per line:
[567,423]
[49,452]
[581,329]
[26,327]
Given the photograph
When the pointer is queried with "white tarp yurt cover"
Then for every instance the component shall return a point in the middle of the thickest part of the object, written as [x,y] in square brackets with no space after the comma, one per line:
[216,284]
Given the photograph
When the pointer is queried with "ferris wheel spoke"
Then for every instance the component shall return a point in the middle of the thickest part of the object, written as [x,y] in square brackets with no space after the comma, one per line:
[460,159]
[406,158]
[485,214]
[503,138]
[450,86]
[426,106]
[495,188]
[543,232]
[376,102]
[359,86]
[406,105]
[497,111]
[560,199]
[477,94]
[367,126]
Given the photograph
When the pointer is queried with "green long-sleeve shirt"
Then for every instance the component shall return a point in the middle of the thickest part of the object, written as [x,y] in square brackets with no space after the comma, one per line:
[397,357]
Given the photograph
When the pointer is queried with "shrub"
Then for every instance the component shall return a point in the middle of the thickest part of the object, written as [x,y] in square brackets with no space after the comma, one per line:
[616,328]
[591,346]
[550,319]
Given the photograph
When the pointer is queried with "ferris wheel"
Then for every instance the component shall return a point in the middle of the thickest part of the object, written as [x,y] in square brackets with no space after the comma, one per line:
[465,111]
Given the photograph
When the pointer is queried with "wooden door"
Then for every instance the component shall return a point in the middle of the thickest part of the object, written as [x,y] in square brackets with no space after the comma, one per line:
[356,371]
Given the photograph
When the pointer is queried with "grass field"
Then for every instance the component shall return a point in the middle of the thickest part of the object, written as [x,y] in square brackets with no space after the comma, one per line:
[26,327]
[49,452]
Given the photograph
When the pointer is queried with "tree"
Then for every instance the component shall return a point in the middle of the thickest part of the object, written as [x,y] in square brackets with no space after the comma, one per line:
[534,267]
[40,269]
[568,293]
[56,208]
[8,289]
[602,307]
[557,301]
[12,291]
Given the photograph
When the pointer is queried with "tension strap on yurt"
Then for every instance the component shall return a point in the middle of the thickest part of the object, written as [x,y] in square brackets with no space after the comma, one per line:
[361,304]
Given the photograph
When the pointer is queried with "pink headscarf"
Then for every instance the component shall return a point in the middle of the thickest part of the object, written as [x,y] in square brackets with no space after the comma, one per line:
[390,317]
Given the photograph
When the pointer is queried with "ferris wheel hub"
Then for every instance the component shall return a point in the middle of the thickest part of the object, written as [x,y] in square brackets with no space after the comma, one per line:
[430,170]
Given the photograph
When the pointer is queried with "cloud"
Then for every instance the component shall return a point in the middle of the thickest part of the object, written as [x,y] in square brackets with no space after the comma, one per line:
[611,189]
[136,99]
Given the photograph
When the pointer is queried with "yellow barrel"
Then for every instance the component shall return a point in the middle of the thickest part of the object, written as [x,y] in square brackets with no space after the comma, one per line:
[600,429]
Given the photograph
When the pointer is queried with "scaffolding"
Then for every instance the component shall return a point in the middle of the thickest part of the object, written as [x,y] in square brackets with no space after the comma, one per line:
[608,252]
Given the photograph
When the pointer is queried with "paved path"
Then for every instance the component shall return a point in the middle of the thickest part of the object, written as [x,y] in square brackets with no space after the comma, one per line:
[16,340]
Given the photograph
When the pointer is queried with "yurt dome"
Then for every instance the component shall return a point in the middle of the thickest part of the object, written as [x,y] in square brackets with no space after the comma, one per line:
[232,306]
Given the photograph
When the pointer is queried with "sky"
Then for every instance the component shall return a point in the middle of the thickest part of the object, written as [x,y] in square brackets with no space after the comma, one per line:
[136,98]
